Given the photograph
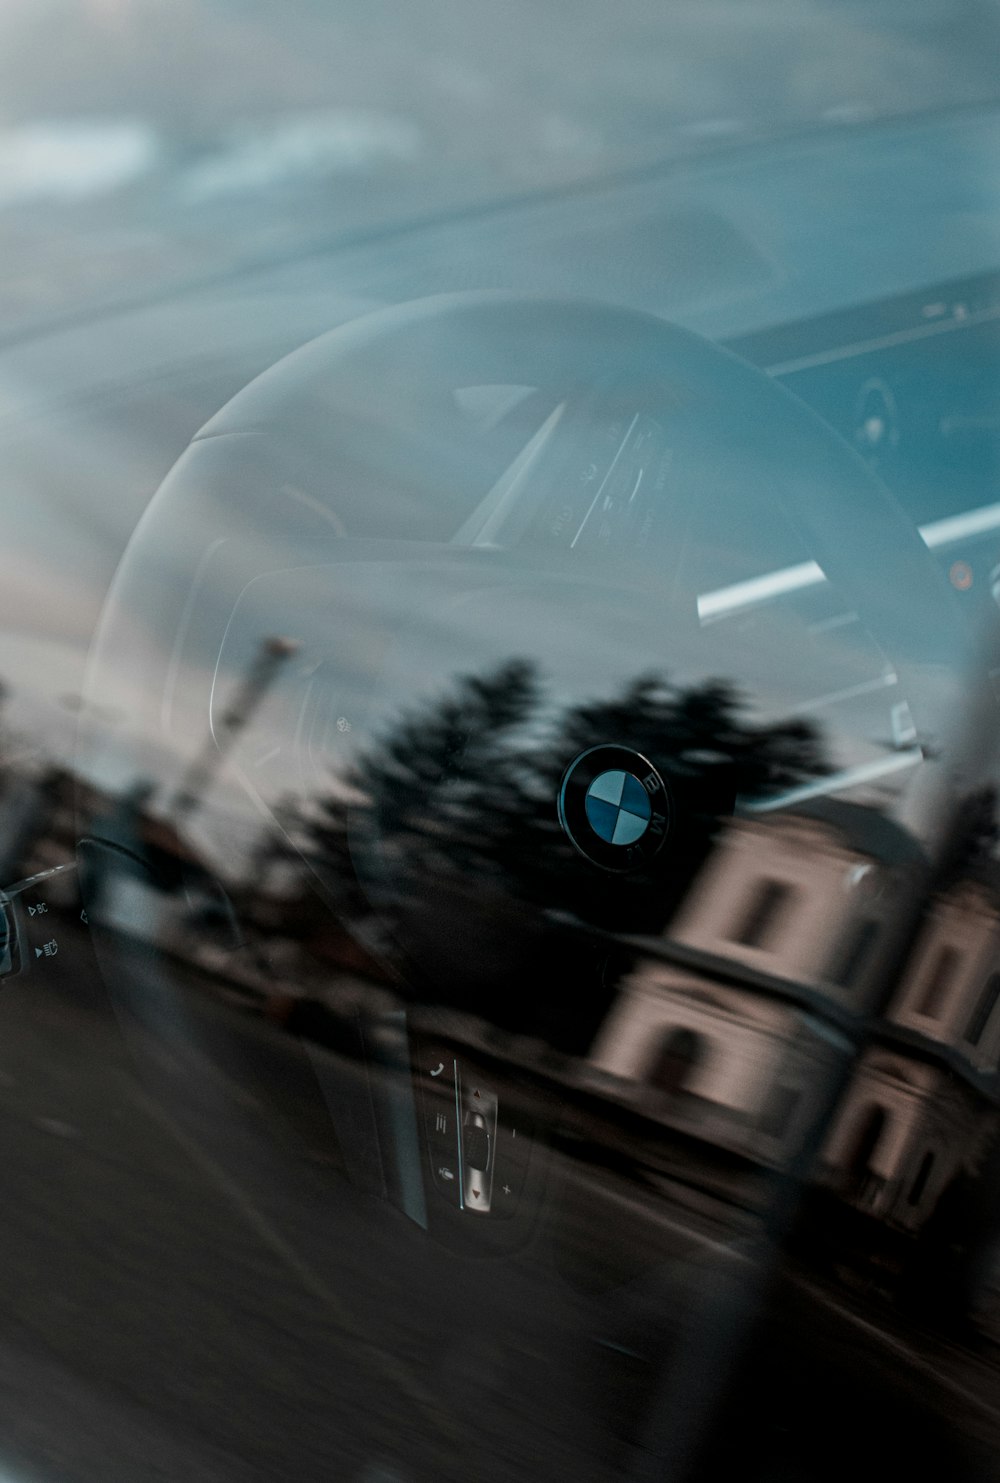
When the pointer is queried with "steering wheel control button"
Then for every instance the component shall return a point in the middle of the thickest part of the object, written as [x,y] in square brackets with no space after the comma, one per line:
[479,1125]
[476,1144]
[615,807]
[441,1129]
[511,1158]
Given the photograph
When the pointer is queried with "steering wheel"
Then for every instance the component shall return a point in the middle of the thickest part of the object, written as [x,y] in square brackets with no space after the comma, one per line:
[346,503]
[400,605]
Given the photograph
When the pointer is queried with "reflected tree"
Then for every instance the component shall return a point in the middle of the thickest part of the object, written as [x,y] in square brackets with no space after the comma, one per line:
[448,825]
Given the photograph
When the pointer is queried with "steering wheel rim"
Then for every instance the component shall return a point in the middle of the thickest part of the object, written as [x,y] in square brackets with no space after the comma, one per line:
[347,377]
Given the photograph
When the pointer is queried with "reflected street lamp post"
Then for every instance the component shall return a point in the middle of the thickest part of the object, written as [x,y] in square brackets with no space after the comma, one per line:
[271,655]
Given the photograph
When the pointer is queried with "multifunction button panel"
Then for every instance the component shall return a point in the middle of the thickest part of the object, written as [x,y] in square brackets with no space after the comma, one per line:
[482,1153]
[31,916]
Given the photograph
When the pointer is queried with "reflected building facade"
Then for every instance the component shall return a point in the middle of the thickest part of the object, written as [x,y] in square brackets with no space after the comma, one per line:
[779,966]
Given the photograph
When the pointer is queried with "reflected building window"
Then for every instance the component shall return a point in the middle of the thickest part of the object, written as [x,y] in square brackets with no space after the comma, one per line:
[942,974]
[854,953]
[762,915]
[866,1142]
[983,1012]
[779,1110]
[919,1184]
[677,1057]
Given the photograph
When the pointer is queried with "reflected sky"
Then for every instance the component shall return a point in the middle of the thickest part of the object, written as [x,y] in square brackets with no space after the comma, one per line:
[121,136]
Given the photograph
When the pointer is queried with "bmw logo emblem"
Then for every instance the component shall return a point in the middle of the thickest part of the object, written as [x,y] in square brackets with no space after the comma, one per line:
[615,807]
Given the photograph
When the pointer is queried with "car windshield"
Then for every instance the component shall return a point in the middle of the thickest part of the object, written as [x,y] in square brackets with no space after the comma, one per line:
[144,144]
[499,784]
